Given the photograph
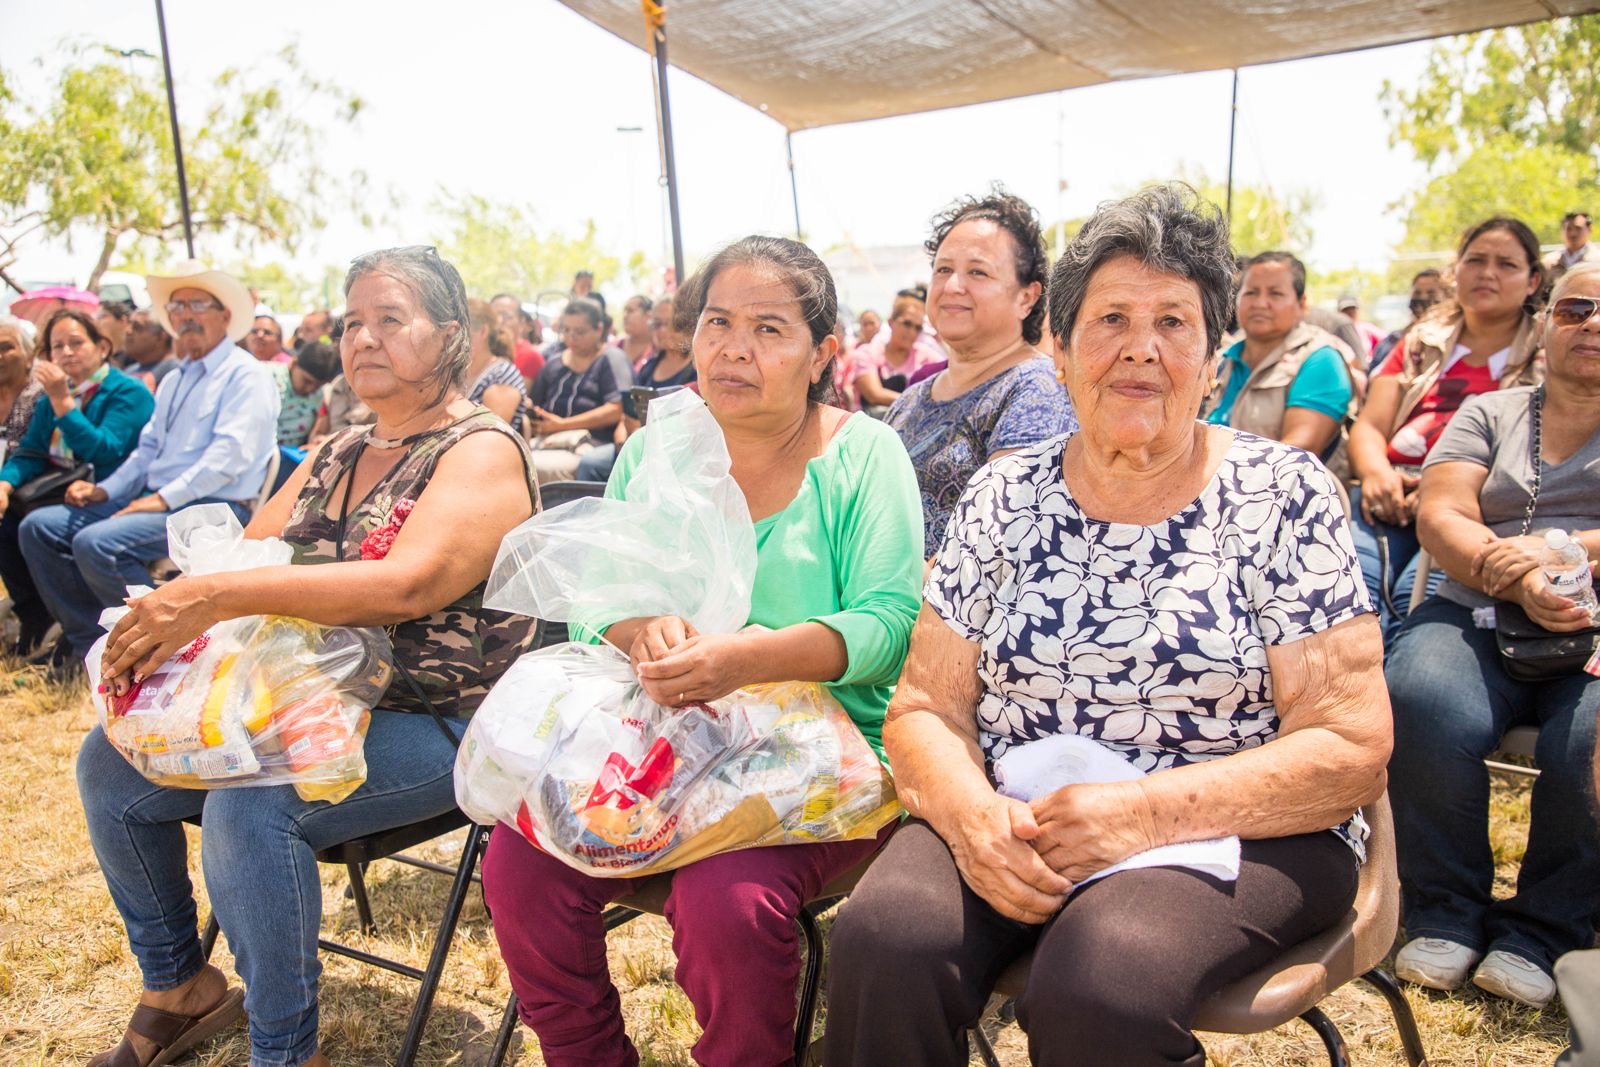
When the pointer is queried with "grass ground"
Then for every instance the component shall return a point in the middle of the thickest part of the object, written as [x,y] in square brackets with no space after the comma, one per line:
[68,980]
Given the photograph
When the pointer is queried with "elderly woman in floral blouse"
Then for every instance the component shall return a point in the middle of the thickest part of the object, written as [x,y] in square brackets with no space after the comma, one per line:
[1184,594]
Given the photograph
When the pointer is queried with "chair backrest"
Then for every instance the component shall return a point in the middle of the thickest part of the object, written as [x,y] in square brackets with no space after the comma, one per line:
[1377,904]
[1419,591]
[271,480]
[554,494]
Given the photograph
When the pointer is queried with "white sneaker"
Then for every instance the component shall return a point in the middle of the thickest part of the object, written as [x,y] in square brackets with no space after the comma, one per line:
[1505,974]
[1435,963]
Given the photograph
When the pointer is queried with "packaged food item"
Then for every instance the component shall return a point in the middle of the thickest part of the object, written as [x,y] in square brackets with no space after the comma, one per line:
[569,749]
[256,701]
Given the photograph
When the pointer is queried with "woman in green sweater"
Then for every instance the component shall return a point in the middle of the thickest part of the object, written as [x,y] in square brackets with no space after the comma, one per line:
[838,525]
[90,413]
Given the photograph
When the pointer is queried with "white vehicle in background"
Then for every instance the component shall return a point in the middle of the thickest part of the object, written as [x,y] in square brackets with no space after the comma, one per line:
[116,285]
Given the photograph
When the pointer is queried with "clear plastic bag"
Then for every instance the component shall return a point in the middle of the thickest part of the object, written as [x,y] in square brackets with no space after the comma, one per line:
[569,749]
[256,701]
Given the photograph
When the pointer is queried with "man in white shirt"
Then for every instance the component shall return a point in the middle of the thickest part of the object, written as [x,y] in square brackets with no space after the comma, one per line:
[210,440]
[1576,227]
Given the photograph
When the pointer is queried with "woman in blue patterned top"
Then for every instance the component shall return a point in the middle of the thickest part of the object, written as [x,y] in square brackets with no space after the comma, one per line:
[999,392]
[1181,593]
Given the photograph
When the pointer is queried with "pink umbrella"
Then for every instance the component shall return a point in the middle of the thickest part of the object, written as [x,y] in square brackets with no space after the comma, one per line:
[36,305]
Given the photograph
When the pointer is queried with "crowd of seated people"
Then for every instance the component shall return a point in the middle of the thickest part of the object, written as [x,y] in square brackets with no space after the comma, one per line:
[1137,496]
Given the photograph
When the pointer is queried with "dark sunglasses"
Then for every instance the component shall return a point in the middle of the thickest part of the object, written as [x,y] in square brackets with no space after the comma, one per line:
[1419,306]
[1574,310]
[910,324]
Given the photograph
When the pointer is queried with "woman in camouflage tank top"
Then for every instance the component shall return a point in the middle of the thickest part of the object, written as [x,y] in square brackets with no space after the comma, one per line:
[394,525]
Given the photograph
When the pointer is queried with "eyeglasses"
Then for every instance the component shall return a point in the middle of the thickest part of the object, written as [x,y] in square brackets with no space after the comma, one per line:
[261,331]
[1421,304]
[194,307]
[910,324]
[1574,310]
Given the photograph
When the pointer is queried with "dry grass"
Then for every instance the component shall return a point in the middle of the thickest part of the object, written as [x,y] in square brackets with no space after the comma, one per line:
[68,980]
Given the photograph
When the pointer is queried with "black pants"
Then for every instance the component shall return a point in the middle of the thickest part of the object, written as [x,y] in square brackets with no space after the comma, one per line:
[29,609]
[1117,973]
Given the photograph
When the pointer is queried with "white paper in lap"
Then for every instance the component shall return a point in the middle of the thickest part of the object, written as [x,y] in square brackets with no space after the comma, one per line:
[1040,767]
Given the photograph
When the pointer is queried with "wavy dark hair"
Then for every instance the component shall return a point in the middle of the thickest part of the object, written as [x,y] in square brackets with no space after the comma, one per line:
[1016,217]
[82,318]
[801,269]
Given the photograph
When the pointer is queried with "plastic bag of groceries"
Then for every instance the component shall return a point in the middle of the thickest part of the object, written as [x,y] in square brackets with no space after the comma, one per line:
[569,749]
[255,701]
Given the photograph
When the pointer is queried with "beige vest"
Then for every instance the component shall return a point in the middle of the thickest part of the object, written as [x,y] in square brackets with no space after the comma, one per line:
[1429,343]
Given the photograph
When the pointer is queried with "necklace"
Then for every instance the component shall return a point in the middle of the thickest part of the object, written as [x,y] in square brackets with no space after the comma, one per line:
[374,441]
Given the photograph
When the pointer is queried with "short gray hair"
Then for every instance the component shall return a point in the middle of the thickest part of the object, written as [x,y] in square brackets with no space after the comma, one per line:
[443,296]
[1563,283]
[25,329]
[1168,228]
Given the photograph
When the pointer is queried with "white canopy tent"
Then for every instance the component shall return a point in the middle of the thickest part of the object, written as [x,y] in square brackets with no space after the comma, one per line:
[820,62]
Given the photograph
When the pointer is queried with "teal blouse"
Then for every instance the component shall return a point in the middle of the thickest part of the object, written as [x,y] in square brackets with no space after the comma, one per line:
[102,432]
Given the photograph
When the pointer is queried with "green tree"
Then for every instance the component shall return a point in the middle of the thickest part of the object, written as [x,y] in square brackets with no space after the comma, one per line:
[1505,121]
[97,157]
[498,248]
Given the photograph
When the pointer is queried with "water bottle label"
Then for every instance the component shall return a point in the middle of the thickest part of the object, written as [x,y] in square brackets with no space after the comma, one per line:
[1568,583]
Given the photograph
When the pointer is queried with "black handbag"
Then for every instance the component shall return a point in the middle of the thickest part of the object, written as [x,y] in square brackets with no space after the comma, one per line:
[1529,652]
[48,488]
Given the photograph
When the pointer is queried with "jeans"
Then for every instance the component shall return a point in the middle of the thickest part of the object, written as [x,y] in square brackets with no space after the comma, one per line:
[1452,703]
[83,559]
[1402,572]
[257,851]
[1117,974]
[732,918]
[26,603]
[595,466]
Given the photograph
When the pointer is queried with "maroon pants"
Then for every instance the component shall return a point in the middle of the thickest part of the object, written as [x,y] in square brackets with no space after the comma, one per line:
[733,930]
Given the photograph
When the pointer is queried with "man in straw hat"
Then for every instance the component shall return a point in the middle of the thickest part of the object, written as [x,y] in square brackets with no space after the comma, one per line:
[209,441]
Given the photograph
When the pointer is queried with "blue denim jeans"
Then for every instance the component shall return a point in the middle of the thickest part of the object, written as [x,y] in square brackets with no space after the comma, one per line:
[83,559]
[1452,703]
[596,464]
[257,850]
[1402,572]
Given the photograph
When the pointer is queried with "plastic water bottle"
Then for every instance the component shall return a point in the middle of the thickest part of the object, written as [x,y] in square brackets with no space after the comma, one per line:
[1565,563]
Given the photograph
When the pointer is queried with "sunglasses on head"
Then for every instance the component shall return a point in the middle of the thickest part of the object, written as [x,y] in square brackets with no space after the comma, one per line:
[1574,310]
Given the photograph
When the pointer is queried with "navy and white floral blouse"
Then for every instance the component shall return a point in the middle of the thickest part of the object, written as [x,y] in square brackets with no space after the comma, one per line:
[1149,639]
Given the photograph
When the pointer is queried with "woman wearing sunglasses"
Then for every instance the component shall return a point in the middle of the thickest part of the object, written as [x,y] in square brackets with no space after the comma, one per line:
[882,371]
[1482,339]
[1453,697]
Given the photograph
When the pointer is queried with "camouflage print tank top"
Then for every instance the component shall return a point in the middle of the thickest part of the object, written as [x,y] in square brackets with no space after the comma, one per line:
[457,653]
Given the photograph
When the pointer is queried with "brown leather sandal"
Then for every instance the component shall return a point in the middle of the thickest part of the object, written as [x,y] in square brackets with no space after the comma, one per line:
[171,1033]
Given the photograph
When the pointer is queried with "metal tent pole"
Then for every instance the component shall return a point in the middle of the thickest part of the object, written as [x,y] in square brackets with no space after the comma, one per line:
[177,141]
[655,16]
[1233,127]
[794,188]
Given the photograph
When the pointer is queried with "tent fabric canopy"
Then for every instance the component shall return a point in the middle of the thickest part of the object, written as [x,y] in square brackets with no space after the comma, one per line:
[820,62]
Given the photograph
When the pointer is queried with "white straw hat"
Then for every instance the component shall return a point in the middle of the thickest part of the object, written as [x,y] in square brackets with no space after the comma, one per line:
[193,274]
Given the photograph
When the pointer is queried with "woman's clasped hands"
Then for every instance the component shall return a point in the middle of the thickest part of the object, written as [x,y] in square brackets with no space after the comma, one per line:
[677,665]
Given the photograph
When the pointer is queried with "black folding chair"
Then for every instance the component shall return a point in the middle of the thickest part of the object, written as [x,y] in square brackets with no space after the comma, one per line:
[355,855]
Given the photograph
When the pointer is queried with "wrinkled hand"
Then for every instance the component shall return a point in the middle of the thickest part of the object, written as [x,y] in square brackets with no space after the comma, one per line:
[155,628]
[1545,607]
[53,380]
[152,504]
[1383,497]
[703,667]
[82,494]
[1503,561]
[1083,829]
[993,845]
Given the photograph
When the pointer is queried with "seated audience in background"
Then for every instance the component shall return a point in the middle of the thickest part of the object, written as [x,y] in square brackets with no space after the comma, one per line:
[1479,340]
[112,318]
[209,441]
[89,413]
[577,398]
[265,341]
[1350,307]
[1356,351]
[1285,379]
[19,391]
[867,325]
[671,367]
[1485,508]
[150,357]
[300,391]
[838,528]
[508,311]
[637,341]
[1427,289]
[317,326]
[466,472]
[492,379]
[998,393]
[1182,594]
[883,371]
[1576,229]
